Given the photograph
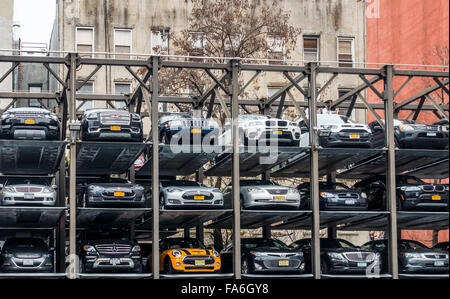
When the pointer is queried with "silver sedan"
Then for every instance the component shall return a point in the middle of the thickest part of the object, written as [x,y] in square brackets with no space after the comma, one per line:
[27,192]
[265,194]
[189,194]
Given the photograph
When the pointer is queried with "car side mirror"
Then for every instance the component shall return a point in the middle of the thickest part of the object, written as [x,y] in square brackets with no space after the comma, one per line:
[304,129]
[377,128]
[377,185]
[55,187]
[80,117]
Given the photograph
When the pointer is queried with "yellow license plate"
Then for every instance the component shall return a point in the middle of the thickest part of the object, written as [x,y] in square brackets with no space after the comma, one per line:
[279,198]
[115,128]
[196,131]
[283,263]
[199,262]
[354,136]
[436,197]
[30,121]
[119,194]
[277,132]
[199,197]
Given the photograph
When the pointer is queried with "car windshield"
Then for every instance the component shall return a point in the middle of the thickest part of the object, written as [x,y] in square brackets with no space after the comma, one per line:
[25,243]
[117,235]
[252,117]
[179,184]
[332,186]
[335,243]
[257,243]
[169,117]
[408,245]
[409,180]
[256,183]
[333,119]
[25,181]
[184,243]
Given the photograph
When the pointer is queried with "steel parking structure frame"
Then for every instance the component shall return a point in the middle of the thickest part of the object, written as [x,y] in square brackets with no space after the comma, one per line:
[148,93]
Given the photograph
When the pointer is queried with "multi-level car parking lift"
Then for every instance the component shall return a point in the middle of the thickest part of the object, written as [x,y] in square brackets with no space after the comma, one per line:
[95,159]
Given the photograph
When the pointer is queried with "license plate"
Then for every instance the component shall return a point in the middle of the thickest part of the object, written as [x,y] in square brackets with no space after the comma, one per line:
[114,261]
[199,197]
[283,263]
[28,262]
[431,134]
[362,265]
[354,136]
[115,128]
[349,202]
[199,262]
[439,263]
[278,198]
[119,194]
[436,197]
[196,131]
[28,196]
[277,132]
[30,121]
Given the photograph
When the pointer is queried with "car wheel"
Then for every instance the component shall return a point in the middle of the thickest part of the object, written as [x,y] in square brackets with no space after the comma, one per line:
[324,268]
[161,201]
[245,267]
[168,266]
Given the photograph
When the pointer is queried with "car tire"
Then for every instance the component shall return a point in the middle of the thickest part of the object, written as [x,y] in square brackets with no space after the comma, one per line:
[168,266]
[324,268]
[161,201]
[245,266]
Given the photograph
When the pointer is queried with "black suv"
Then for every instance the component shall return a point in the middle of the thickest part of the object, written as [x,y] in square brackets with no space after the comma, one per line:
[412,193]
[338,256]
[183,126]
[334,196]
[111,125]
[26,255]
[112,193]
[413,257]
[29,124]
[109,251]
[411,134]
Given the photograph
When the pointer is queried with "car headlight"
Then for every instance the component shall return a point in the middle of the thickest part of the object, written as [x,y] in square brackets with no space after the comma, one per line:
[292,191]
[363,195]
[48,190]
[136,248]
[170,190]
[89,249]
[255,253]
[92,116]
[329,127]
[215,190]
[412,255]
[135,117]
[255,190]
[405,128]
[335,256]
[215,253]
[54,117]
[326,194]
[8,189]
[176,253]
[175,124]
[410,188]
[5,115]
[138,187]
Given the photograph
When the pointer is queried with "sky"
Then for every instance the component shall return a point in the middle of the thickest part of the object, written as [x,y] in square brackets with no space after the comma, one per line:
[36,19]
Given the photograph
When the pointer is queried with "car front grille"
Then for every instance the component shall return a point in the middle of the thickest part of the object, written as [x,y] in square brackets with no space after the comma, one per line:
[272,264]
[354,131]
[432,188]
[114,119]
[190,195]
[348,195]
[195,123]
[425,135]
[435,256]
[110,193]
[274,123]
[359,256]
[190,259]
[28,189]
[281,254]
[29,115]
[277,191]
[113,249]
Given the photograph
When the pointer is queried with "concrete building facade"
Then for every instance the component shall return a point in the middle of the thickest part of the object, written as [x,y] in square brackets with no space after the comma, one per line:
[6,41]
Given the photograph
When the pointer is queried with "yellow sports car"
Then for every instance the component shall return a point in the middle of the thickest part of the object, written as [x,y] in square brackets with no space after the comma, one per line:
[185,255]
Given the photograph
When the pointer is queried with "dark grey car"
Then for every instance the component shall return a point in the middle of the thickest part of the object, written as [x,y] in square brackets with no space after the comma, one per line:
[26,255]
[413,257]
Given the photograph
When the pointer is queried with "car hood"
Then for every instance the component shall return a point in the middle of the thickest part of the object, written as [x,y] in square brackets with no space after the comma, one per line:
[26,186]
[267,187]
[114,242]
[193,251]
[422,127]
[421,251]
[27,252]
[345,250]
[273,250]
[114,185]
[192,188]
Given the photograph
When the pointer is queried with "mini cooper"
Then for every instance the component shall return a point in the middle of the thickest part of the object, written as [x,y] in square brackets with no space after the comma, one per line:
[186,255]
[29,124]
[336,130]
[111,125]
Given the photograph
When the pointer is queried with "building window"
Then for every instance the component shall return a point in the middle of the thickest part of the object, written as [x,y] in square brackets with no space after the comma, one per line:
[86,88]
[276,46]
[345,52]
[124,89]
[197,41]
[310,48]
[231,45]
[122,43]
[85,41]
[34,88]
[271,90]
[159,42]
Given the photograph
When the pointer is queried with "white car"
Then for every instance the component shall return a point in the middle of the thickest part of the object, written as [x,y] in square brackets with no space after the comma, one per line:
[260,129]
[336,130]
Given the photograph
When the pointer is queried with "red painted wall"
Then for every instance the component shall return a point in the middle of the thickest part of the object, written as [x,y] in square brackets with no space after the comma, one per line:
[407,32]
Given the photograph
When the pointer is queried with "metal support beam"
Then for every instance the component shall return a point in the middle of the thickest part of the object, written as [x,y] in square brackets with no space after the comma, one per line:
[443,87]
[304,93]
[327,83]
[155,170]
[211,89]
[332,232]
[217,81]
[141,82]
[9,71]
[420,94]
[369,107]
[199,233]
[439,108]
[55,75]
[354,91]
[352,105]
[97,68]
[369,84]
[403,85]
[419,108]
[314,174]
[266,232]
[390,168]
[297,80]
[235,170]
[280,107]
[187,232]
[241,91]
[211,105]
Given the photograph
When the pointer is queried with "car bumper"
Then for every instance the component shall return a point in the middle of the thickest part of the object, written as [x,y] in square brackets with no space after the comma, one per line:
[267,201]
[112,264]
[425,202]
[345,207]
[179,266]
[186,136]
[272,265]
[18,199]
[177,203]
[425,267]
[336,139]
[268,138]
[17,265]
[418,140]
[104,133]
[115,204]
